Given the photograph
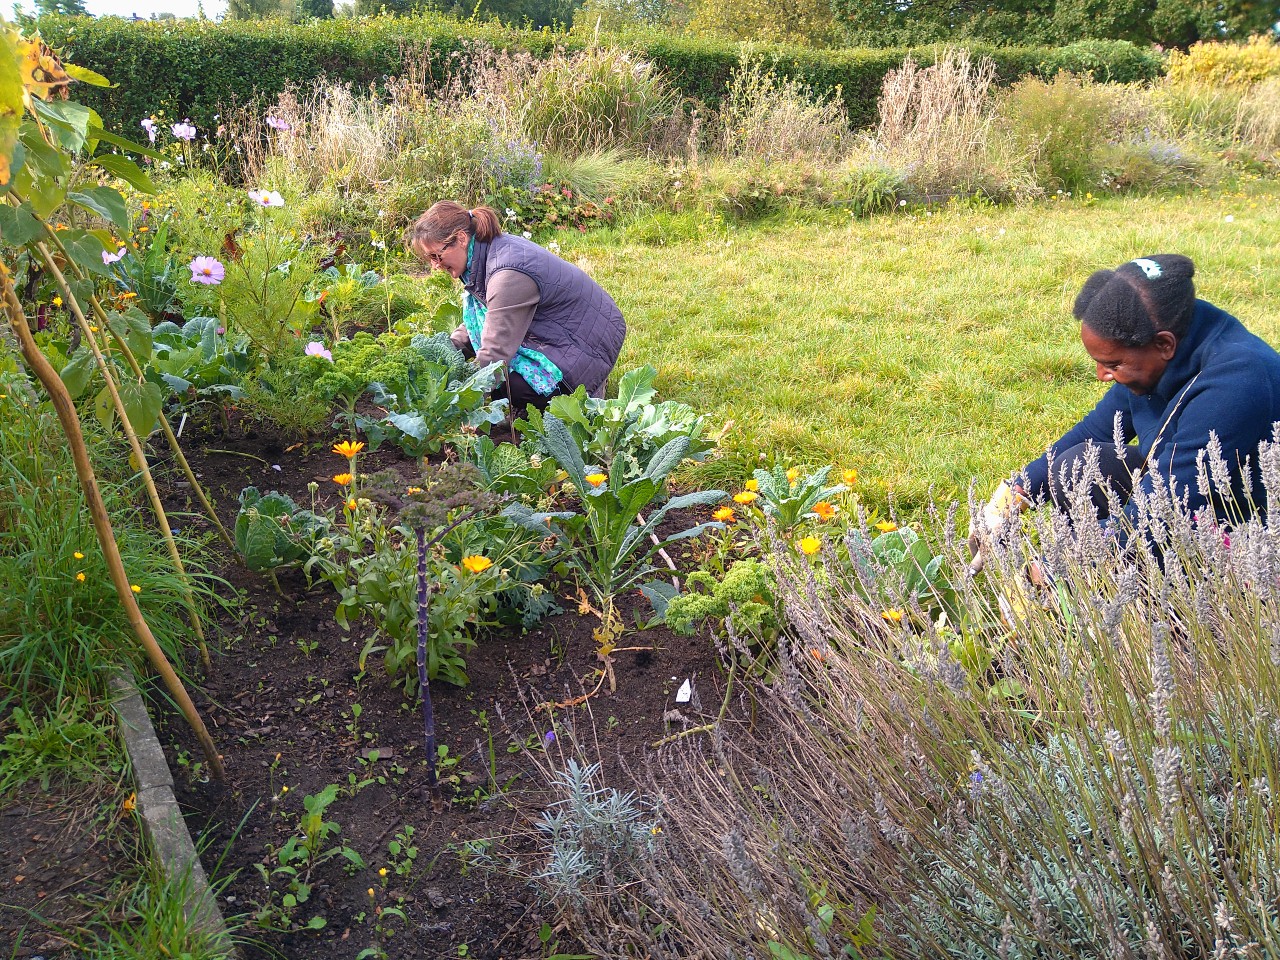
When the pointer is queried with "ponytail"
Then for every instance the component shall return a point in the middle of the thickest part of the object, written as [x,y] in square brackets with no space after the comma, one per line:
[445,218]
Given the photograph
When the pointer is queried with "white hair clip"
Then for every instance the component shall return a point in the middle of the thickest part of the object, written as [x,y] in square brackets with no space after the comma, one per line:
[1149,267]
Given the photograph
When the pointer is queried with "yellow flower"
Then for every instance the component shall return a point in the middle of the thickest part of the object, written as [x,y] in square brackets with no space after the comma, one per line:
[893,616]
[724,515]
[382,872]
[809,545]
[850,477]
[886,526]
[78,555]
[342,479]
[824,510]
[57,301]
[351,503]
[595,479]
[792,475]
[130,803]
[753,485]
[80,577]
[347,449]
[412,490]
[477,563]
[371,893]
[135,588]
[746,496]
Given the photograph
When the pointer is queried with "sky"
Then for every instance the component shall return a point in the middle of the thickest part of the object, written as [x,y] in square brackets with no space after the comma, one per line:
[143,8]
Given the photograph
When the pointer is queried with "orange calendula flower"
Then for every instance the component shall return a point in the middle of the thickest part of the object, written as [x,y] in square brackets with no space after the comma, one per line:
[753,485]
[793,474]
[595,479]
[817,655]
[809,545]
[746,496]
[850,477]
[351,503]
[824,510]
[130,803]
[886,526]
[724,515]
[342,479]
[347,449]
[893,616]
[477,563]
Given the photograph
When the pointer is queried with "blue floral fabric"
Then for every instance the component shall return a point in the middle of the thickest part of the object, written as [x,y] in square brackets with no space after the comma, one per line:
[539,371]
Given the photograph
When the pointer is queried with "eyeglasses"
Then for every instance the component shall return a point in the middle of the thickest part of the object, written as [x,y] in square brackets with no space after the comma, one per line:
[438,257]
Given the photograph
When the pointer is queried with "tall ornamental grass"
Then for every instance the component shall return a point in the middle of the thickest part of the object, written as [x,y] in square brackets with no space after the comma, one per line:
[989,769]
[62,628]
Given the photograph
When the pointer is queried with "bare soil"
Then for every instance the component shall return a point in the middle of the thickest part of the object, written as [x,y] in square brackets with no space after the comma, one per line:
[281,702]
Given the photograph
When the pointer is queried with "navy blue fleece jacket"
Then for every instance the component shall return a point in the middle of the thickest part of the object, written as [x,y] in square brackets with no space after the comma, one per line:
[1221,378]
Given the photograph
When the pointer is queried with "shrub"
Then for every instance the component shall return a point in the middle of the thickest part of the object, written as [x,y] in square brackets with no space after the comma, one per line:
[1227,64]
[1061,126]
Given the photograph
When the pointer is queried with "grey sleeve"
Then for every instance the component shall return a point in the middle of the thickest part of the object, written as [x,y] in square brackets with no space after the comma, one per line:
[513,298]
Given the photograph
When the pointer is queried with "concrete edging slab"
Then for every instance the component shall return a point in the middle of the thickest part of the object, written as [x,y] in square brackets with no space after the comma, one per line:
[161,817]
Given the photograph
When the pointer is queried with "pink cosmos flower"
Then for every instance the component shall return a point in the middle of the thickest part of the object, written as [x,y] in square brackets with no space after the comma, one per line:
[149,125]
[275,123]
[316,349]
[110,258]
[184,130]
[207,270]
[266,198]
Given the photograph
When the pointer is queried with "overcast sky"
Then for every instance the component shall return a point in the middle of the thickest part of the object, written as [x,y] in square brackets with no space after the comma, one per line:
[143,8]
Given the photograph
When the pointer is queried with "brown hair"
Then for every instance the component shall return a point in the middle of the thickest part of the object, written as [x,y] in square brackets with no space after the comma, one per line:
[445,218]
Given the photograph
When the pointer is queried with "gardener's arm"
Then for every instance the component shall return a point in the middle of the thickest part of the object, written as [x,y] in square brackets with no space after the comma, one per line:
[1097,425]
[513,298]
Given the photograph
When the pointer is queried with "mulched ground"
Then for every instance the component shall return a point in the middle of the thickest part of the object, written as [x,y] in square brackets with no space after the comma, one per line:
[279,704]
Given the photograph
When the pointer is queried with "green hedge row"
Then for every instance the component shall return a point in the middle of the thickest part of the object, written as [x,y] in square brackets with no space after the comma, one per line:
[192,68]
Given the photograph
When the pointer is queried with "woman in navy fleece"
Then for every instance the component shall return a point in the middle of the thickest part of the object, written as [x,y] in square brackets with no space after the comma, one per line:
[1181,369]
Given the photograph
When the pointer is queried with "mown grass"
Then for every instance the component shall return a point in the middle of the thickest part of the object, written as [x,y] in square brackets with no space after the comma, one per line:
[924,348]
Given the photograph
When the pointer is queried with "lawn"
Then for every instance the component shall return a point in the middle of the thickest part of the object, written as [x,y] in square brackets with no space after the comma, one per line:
[923,348]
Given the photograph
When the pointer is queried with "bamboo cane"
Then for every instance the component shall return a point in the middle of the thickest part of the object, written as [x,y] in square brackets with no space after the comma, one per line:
[67,416]
[135,445]
[165,426]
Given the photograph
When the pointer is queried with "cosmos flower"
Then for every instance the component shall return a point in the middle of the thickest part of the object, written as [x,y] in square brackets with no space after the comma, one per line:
[266,198]
[276,123]
[207,270]
[316,349]
[183,131]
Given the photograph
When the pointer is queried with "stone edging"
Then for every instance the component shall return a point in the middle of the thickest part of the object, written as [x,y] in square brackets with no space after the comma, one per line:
[161,818]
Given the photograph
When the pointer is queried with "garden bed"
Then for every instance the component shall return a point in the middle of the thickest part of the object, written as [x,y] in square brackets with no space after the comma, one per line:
[290,708]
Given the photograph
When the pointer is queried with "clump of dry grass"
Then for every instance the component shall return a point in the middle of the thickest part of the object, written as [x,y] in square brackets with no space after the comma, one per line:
[936,123]
[768,118]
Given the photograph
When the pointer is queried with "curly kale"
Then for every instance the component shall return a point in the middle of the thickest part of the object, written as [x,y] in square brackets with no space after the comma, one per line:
[746,591]
[439,349]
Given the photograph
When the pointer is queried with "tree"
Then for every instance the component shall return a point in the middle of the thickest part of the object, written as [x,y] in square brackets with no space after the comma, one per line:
[71,8]
[253,9]
[776,21]
[319,9]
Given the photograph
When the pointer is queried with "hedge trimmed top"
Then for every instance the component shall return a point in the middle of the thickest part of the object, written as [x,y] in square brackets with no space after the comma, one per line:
[190,68]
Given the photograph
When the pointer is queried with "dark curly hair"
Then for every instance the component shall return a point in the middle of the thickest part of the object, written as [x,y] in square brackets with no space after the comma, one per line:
[1138,299]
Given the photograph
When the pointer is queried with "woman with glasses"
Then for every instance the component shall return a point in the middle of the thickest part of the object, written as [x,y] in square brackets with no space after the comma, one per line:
[550,325]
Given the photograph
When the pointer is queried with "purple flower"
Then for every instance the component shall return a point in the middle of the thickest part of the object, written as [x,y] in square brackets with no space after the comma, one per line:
[184,130]
[266,198]
[109,258]
[275,123]
[207,270]
[149,125]
[549,737]
[316,349]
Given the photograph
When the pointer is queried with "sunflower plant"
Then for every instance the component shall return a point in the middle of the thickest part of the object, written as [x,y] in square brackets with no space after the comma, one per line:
[610,543]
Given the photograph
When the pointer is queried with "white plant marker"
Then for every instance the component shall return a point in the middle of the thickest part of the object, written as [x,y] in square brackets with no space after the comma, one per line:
[685,693]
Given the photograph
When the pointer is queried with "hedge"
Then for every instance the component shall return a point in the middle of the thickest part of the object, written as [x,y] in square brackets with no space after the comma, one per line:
[193,68]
